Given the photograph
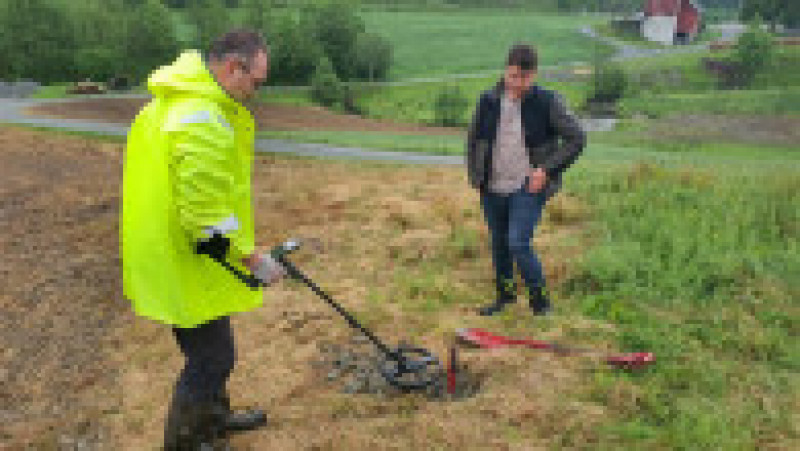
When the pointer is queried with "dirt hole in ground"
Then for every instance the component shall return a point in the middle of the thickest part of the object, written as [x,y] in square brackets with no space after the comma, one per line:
[355,368]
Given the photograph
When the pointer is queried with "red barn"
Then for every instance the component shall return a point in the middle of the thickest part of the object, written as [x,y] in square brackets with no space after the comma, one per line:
[671,21]
[688,21]
[662,7]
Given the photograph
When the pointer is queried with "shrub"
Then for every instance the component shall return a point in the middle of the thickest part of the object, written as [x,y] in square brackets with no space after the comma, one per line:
[294,54]
[753,52]
[335,26]
[210,19]
[150,39]
[372,57]
[326,88]
[609,83]
[450,107]
[96,64]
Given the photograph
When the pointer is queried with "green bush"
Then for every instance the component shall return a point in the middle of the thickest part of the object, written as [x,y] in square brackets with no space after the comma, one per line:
[300,35]
[294,53]
[210,19]
[450,107]
[609,83]
[335,26]
[96,64]
[754,51]
[372,57]
[150,39]
[326,88]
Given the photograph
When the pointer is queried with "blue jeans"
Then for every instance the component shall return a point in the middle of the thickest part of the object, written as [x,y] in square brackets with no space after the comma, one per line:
[512,219]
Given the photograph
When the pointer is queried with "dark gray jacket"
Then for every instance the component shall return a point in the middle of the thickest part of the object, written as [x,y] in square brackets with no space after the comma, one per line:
[554,137]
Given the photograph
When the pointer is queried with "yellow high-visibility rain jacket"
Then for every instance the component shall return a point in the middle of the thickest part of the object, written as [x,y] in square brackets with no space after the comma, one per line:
[187,172]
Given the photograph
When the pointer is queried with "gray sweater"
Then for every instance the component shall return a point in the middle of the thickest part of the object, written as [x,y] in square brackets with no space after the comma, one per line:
[510,163]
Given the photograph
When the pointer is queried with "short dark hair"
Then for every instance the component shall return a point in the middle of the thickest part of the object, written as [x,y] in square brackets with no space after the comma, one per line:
[523,56]
[245,43]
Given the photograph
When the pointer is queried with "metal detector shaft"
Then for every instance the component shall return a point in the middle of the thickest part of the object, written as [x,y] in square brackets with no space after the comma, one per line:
[295,273]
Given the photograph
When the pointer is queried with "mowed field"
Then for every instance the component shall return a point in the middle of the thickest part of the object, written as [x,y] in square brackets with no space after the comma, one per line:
[468,41]
[693,258]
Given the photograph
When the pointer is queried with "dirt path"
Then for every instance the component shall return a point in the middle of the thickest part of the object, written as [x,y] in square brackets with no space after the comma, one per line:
[268,116]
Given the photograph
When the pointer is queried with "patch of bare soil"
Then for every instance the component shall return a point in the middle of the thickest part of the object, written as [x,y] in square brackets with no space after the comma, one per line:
[403,247]
[781,130]
[268,117]
[61,301]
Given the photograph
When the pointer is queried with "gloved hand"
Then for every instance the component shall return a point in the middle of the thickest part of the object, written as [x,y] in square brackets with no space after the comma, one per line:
[268,270]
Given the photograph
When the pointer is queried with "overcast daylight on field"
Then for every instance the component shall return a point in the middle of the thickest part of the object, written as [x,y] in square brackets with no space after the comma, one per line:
[400,224]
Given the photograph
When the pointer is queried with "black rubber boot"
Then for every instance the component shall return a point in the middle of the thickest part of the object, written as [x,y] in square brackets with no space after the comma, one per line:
[540,303]
[496,307]
[237,421]
[191,426]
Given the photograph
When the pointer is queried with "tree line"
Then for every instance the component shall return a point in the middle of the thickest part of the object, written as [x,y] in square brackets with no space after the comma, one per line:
[59,40]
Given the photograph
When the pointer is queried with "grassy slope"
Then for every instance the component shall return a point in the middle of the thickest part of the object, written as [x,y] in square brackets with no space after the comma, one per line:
[690,262]
[475,41]
[694,264]
[775,91]
[653,90]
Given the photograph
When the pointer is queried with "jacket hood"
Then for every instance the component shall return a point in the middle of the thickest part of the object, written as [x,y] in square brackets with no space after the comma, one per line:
[188,75]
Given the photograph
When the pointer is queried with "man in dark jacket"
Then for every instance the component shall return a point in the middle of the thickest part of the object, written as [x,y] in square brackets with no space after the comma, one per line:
[521,140]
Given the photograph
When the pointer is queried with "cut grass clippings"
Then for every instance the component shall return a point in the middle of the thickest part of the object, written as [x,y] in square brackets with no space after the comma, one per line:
[695,264]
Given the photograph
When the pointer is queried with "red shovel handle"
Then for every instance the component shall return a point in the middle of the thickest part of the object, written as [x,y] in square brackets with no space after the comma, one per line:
[485,339]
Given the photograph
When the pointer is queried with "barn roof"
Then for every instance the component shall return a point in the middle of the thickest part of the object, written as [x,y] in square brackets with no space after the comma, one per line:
[668,7]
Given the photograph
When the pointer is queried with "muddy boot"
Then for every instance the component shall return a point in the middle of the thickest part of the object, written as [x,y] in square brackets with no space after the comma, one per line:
[190,426]
[540,302]
[495,307]
[237,421]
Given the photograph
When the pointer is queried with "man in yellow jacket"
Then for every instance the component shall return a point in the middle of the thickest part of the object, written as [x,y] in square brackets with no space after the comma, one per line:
[187,187]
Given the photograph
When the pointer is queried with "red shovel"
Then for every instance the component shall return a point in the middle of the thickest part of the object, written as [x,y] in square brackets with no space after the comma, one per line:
[484,339]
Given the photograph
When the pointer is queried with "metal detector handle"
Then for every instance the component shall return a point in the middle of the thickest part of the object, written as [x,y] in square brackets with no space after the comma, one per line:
[282,250]
[217,247]
[277,253]
[248,279]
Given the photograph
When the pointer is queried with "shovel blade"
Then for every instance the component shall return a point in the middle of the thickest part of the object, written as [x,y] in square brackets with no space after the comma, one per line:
[633,360]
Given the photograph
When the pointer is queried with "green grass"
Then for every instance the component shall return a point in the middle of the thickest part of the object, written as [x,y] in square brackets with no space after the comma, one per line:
[755,101]
[415,103]
[285,96]
[604,149]
[675,84]
[653,91]
[439,43]
[606,30]
[56,91]
[92,135]
[438,145]
[59,91]
[698,266]
[651,74]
